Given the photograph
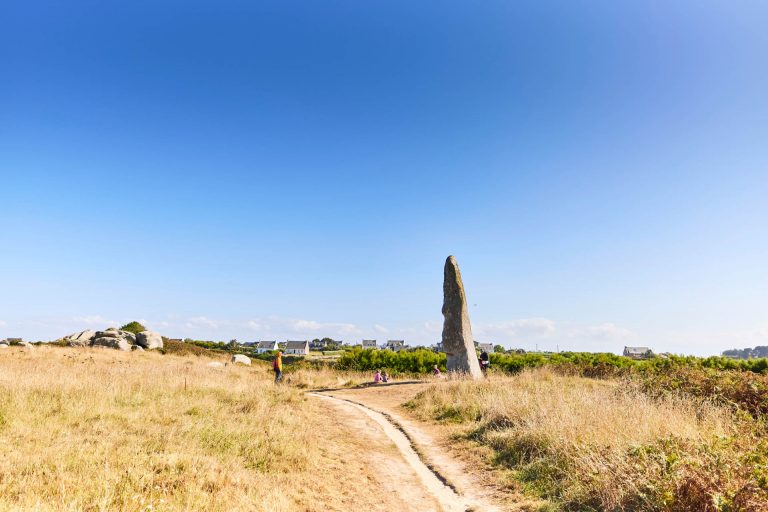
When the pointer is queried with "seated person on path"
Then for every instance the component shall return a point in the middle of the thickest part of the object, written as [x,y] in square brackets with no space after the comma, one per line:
[277,365]
[377,377]
[436,371]
[385,376]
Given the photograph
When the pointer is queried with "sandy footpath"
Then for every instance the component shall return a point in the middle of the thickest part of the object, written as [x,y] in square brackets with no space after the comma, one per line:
[447,480]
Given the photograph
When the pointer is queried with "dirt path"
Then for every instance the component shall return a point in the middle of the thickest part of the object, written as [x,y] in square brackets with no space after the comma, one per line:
[393,483]
[446,479]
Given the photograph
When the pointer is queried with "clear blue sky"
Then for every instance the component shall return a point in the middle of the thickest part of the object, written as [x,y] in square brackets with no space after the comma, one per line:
[300,169]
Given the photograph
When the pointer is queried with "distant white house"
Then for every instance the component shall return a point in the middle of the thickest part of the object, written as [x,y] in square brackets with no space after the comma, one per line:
[395,345]
[297,347]
[369,344]
[265,346]
[638,352]
[485,347]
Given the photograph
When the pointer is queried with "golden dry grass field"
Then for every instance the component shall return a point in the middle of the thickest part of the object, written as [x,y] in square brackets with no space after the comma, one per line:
[604,445]
[102,430]
[90,429]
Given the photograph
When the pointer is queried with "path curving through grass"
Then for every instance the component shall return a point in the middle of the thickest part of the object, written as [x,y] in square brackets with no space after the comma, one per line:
[433,479]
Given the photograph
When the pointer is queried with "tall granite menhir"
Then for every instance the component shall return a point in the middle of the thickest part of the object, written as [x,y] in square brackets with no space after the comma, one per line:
[458,343]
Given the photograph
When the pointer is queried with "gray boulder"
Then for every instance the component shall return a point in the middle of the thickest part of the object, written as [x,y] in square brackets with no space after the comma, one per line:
[109,333]
[80,339]
[458,342]
[115,333]
[240,358]
[116,343]
[149,340]
[121,340]
[137,348]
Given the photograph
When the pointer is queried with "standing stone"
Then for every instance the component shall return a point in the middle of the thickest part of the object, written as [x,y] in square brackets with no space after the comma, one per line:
[458,342]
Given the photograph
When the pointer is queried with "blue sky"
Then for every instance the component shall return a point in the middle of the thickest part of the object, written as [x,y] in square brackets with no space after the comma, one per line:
[301,169]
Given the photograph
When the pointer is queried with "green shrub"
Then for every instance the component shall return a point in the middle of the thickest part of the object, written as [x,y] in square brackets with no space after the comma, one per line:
[410,361]
[134,327]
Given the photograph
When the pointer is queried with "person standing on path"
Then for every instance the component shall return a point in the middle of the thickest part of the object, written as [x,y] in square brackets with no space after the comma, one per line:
[277,365]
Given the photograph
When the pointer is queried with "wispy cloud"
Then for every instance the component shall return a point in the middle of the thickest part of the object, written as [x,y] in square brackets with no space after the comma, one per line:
[201,321]
[3,323]
[603,332]
[529,331]
[257,325]
[279,327]
[313,327]
[95,320]
[380,328]
[520,329]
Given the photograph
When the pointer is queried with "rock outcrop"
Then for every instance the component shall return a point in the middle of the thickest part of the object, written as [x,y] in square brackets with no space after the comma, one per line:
[458,342]
[115,338]
[3,345]
[80,339]
[149,340]
[240,358]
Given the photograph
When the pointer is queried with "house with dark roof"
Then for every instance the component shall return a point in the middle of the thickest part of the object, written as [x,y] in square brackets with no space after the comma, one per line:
[299,348]
[370,344]
[485,347]
[638,352]
[266,346]
[395,345]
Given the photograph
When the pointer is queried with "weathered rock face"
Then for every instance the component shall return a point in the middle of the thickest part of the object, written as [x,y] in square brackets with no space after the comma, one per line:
[458,342]
[109,342]
[80,339]
[149,340]
[240,358]
[115,333]
[113,338]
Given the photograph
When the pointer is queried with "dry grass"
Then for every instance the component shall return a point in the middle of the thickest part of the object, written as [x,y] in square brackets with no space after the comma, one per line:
[89,429]
[597,445]
[324,378]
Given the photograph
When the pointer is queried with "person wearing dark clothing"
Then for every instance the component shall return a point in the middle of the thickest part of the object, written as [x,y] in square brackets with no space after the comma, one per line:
[485,361]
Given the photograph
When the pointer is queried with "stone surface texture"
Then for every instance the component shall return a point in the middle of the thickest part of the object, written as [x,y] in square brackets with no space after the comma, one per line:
[240,358]
[110,342]
[149,340]
[81,339]
[458,342]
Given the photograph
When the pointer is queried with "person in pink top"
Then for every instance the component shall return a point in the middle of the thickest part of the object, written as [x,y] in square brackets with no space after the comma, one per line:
[377,377]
